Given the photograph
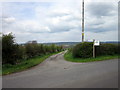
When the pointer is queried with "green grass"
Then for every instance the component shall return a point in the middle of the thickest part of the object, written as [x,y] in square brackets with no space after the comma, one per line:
[25,64]
[68,56]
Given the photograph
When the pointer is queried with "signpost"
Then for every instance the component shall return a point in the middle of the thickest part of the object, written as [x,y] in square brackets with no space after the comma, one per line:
[95,43]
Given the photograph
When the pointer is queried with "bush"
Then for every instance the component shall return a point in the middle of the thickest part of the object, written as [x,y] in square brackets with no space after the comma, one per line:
[9,49]
[53,48]
[13,53]
[0,49]
[21,53]
[107,49]
[33,49]
[83,50]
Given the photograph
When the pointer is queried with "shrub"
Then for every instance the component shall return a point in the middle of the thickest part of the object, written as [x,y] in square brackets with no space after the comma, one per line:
[107,49]
[33,49]
[21,53]
[0,48]
[13,53]
[70,49]
[53,48]
[9,49]
[83,50]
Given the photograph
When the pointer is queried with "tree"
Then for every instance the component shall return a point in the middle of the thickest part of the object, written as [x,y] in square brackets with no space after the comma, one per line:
[0,49]
[9,49]
[53,47]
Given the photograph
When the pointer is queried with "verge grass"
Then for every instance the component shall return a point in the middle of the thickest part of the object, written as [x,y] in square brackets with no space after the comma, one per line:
[68,56]
[25,64]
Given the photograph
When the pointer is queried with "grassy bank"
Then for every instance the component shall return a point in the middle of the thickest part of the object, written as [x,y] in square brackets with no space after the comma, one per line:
[25,64]
[68,56]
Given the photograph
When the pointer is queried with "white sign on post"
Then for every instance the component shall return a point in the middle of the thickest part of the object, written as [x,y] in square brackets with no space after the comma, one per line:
[96,43]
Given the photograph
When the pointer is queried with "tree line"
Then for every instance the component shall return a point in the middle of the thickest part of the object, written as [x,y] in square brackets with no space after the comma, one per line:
[13,53]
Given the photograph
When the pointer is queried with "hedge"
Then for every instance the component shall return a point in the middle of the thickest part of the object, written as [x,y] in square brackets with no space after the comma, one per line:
[85,50]
[13,53]
[106,49]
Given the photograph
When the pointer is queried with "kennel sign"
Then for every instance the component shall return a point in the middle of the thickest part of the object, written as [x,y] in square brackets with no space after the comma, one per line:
[96,43]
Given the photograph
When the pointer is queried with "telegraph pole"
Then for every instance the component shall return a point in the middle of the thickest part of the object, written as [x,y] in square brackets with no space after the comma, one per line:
[83,21]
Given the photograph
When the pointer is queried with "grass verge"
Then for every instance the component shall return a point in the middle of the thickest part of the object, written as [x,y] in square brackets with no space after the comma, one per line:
[25,64]
[68,56]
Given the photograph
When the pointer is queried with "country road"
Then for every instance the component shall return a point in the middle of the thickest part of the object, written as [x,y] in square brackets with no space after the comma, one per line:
[55,72]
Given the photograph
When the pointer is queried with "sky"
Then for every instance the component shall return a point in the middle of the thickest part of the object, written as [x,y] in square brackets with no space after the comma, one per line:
[59,21]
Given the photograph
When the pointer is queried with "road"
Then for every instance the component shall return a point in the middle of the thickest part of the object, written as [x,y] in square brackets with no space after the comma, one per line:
[55,72]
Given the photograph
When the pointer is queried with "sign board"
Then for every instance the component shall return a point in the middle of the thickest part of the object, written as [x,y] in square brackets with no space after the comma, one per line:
[96,43]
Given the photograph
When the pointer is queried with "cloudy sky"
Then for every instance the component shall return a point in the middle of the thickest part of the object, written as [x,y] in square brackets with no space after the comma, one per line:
[60,20]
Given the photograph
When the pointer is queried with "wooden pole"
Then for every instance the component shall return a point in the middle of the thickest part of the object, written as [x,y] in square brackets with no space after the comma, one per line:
[93,49]
[83,21]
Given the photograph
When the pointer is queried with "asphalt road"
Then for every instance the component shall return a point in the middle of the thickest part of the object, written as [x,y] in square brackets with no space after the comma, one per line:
[55,72]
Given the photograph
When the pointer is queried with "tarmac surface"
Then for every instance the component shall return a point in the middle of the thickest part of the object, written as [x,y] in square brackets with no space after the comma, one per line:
[55,72]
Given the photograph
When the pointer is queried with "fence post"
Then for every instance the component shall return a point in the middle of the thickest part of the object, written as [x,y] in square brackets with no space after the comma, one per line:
[93,49]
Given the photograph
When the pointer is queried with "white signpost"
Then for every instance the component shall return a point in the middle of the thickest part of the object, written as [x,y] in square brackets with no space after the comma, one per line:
[95,43]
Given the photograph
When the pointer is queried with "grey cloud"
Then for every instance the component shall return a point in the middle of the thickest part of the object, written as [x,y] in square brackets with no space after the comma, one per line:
[64,26]
[101,29]
[119,15]
[101,17]
[7,21]
[57,14]
[68,28]
[100,9]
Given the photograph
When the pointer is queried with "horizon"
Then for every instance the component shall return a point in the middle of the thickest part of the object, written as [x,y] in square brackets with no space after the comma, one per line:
[66,42]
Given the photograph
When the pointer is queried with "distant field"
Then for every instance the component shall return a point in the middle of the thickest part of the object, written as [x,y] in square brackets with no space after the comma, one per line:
[74,43]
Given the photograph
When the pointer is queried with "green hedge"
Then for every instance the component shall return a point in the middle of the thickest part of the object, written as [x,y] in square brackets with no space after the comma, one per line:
[106,49]
[85,50]
[13,53]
